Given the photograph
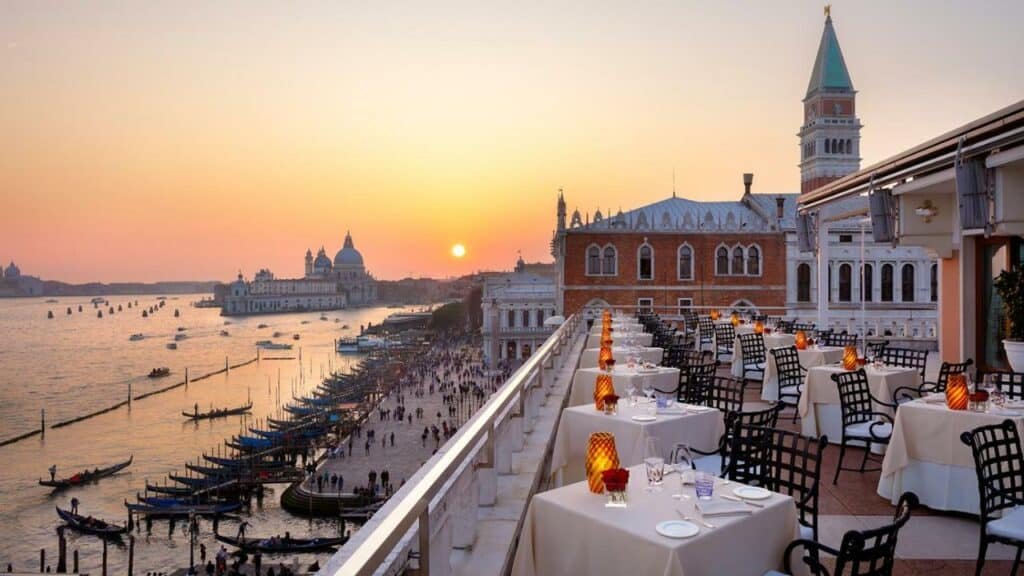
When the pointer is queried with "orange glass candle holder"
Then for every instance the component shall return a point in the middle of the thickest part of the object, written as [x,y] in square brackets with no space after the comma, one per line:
[735,319]
[758,327]
[603,356]
[606,342]
[601,456]
[956,392]
[715,315]
[801,340]
[850,358]
[602,387]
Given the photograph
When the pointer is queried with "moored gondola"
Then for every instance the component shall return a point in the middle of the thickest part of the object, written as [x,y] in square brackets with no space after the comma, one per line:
[176,510]
[86,476]
[277,545]
[90,525]
[217,412]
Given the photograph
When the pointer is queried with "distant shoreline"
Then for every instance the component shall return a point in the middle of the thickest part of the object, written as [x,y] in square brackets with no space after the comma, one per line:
[51,288]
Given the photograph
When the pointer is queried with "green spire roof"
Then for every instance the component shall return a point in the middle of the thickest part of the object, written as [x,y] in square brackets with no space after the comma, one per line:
[829,71]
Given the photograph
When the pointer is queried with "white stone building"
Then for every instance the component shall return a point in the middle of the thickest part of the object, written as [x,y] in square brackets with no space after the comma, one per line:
[514,307]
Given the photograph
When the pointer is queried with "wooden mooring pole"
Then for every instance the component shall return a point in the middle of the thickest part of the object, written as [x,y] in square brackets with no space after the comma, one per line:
[104,571]
[62,551]
[42,560]
[131,554]
[42,421]
[74,562]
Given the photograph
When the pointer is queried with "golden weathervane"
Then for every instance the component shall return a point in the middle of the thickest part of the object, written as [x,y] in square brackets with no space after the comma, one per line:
[828,10]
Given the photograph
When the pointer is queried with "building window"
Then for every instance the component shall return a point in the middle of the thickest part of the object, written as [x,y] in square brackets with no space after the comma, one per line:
[829,283]
[540,318]
[803,282]
[722,261]
[737,260]
[845,282]
[644,305]
[593,261]
[685,304]
[907,283]
[887,282]
[934,283]
[645,262]
[867,284]
[526,318]
[754,261]
[511,318]
[610,265]
[685,262]
[846,238]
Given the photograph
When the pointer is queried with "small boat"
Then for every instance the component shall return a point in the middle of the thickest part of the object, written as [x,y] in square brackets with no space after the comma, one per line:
[180,336]
[172,345]
[90,525]
[271,345]
[86,476]
[295,336]
[182,328]
[225,333]
[182,509]
[52,301]
[160,372]
[278,545]
[170,490]
[263,326]
[97,300]
[344,326]
[277,334]
[323,317]
[218,412]
[305,322]
[136,337]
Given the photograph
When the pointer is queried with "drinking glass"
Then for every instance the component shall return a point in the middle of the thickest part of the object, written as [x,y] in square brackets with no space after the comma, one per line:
[654,463]
[631,391]
[682,461]
[704,484]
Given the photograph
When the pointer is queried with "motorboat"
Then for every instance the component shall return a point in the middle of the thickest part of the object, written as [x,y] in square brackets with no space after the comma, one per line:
[172,345]
[180,336]
[271,345]
[136,337]
[160,372]
[361,344]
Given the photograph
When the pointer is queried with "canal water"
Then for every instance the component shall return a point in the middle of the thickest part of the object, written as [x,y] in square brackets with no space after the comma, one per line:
[75,364]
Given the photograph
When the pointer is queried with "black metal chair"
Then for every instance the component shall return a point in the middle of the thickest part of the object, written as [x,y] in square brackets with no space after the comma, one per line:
[874,349]
[791,376]
[695,381]
[696,357]
[908,393]
[861,422]
[737,457]
[707,333]
[725,393]
[1010,383]
[841,339]
[784,326]
[807,327]
[862,552]
[752,347]
[905,358]
[794,468]
[673,357]
[999,464]
[725,334]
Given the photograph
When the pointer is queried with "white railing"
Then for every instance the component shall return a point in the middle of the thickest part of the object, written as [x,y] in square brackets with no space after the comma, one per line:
[460,477]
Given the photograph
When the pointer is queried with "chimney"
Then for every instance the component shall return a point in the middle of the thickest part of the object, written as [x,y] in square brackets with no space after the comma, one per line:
[780,208]
[748,179]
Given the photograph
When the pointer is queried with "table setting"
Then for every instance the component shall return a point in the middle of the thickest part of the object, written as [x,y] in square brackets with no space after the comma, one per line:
[810,357]
[648,354]
[637,338]
[624,378]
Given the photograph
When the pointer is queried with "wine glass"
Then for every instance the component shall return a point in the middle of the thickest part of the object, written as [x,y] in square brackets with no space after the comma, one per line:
[654,464]
[682,461]
[631,391]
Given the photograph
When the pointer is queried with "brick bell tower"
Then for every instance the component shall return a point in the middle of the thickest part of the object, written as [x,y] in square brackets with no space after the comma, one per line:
[830,135]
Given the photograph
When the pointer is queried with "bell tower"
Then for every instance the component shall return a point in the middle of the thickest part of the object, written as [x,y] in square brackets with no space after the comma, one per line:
[830,135]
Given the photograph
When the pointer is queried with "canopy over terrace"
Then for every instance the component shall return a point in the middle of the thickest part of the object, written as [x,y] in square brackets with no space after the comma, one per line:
[974,228]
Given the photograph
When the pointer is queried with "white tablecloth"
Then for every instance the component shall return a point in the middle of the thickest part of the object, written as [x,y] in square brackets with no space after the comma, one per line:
[583,381]
[569,531]
[819,406]
[699,430]
[926,455]
[809,358]
[639,338]
[773,340]
[618,327]
[648,353]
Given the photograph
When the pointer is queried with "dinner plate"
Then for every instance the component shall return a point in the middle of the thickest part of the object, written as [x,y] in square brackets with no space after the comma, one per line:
[751,493]
[677,529]
[644,418]
[1014,405]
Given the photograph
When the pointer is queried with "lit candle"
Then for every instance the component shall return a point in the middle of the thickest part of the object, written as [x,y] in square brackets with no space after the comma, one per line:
[601,456]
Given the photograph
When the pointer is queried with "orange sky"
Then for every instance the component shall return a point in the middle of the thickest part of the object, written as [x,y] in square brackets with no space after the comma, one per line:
[170,140]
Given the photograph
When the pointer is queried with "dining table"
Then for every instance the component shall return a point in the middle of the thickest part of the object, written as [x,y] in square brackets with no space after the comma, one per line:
[698,427]
[819,408]
[649,354]
[625,326]
[809,358]
[637,338]
[662,378]
[926,456]
[773,340]
[570,530]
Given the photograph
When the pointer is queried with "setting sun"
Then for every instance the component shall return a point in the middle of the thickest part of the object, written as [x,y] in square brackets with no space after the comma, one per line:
[458,250]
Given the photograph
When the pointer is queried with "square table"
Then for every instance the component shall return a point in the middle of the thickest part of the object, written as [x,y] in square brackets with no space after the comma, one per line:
[650,354]
[639,339]
[773,340]
[569,530]
[700,430]
[819,407]
[618,327]
[809,358]
[662,377]
[926,455]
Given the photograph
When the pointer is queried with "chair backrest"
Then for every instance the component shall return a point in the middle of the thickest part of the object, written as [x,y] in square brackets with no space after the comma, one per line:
[695,381]
[854,396]
[752,346]
[724,335]
[874,349]
[807,327]
[690,357]
[726,394]
[745,450]
[758,317]
[673,356]
[690,321]
[999,464]
[787,365]
[873,552]
[905,357]
[794,468]
[841,339]
[784,326]
[1010,383]
[948,369]
[707,328]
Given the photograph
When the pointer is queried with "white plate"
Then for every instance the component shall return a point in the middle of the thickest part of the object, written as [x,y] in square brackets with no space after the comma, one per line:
[751,493]
[677,529]
[1014,405]
[644,418]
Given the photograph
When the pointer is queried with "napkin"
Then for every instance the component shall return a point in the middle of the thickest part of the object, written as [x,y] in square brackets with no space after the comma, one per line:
[934,398]
[712,508]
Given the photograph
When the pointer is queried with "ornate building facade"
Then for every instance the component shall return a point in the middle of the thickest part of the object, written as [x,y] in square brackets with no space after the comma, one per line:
[514,308]
[327,285]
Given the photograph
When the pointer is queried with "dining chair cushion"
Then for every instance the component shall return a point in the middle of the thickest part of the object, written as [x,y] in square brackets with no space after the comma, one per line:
[806,532]
[711,464]
[754,365]
[1011,525]
[862,430]
[793,390]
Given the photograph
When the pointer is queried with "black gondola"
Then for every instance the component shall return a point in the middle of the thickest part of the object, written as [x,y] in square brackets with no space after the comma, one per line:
[218,412]
[90,525]
[86,476]
[159,372]
[284,546]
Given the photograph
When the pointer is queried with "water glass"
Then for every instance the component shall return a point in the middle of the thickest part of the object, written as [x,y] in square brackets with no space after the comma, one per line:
[654,463]
[704,484]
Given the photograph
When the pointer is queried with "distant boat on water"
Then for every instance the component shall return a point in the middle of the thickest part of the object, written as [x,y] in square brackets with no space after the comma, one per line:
[172,345]
[160,372]
[361,344]
[271,345]
[137,336]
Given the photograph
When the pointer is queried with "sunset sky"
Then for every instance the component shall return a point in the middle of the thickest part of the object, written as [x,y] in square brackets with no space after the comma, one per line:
[187,140]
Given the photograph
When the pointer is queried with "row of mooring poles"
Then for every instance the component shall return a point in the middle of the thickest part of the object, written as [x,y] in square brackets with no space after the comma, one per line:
[62,556]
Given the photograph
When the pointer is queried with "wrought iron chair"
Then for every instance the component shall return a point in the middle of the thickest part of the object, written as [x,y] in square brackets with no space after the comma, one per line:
[673,357]
[794,469]
[861,423]
[707,333]
[784,326]
[874,349]
[862,552]
[745,466]
[907,393]
[905,358]
[1010,383]
[725,334]
[841,339]
[695,381]
[752,346]
[791,375]
[807,327]
[999,463]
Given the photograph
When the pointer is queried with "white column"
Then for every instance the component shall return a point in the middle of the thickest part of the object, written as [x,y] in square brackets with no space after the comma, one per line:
[823,264]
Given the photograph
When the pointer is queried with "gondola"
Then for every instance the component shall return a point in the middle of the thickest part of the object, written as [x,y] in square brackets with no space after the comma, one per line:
[170,490]
[159,372]
[218,412]
[176,510]
[283,546]
[86,476]
[89,525]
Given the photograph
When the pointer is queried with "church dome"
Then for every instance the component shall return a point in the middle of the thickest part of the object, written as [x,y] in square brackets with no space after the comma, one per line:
[348,255]
[322,263]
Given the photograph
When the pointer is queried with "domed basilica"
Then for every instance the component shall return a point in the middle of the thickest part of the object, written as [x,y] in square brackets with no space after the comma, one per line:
[347,270]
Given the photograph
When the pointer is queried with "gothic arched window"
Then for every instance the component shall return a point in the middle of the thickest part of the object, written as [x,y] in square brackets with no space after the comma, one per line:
[737,260]
[934,283]
[803,282]
[828,146]
[867,283]
[849,146]
[610,264]
[907,283]
[645,262]
[685,262]
[722,261]
[593,261]
[754,261]
[845,282]
[887,282]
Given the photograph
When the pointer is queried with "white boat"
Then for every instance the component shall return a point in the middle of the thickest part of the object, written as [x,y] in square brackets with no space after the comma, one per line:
[361,344]
[270,345]
[136,337]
